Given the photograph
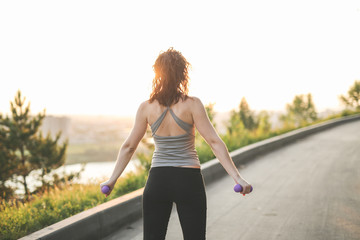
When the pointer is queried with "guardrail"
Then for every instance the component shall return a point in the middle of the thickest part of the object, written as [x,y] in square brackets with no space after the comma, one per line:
[102,220]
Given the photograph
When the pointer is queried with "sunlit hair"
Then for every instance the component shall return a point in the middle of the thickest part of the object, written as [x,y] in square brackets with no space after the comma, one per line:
[171,78]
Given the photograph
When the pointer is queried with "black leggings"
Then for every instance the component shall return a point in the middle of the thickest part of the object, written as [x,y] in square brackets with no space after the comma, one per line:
[183,186]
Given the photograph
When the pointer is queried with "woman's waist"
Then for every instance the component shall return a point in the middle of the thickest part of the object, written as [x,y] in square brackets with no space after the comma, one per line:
[176,148]
[175,153]
[175,160]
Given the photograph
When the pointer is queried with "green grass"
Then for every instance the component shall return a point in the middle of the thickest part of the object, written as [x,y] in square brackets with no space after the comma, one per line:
[20,219]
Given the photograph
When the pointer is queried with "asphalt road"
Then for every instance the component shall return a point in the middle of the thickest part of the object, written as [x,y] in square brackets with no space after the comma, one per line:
[307,190]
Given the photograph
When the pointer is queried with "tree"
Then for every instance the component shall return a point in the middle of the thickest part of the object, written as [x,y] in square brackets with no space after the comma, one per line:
[47,155]
[242,119]
[301,111]
[246,115]
[353,98]
[263,123]
[8,166]
[235,125]
[24,149]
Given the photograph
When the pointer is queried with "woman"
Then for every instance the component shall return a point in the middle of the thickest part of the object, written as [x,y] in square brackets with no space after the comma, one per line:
[175,174]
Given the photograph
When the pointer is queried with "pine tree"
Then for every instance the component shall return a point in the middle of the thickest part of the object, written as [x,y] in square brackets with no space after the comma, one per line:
[47,155]
[7,163]
[24,149]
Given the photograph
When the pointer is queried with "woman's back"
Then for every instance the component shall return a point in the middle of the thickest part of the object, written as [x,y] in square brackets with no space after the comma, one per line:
[173,131]
[169,126]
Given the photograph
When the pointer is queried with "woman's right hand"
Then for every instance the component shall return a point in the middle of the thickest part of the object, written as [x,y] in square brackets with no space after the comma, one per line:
[108,183]
[245,186]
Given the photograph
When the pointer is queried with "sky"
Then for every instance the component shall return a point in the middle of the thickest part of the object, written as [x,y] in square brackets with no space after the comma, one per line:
[96,57]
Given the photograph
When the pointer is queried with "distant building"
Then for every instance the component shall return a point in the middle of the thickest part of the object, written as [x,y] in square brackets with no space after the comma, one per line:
[53,125]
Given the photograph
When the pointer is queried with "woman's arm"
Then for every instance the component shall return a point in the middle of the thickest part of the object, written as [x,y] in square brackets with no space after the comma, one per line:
[129,146]
[207,131]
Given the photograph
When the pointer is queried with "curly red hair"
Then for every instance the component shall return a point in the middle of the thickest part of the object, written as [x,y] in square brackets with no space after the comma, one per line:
[171,78]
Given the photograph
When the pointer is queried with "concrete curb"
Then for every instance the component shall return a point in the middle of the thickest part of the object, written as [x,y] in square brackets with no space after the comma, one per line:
[101,221]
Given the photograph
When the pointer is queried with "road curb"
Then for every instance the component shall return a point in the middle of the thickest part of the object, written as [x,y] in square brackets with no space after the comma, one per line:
[102,220]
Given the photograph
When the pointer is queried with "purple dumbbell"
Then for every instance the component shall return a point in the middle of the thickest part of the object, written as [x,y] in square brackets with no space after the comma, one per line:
[105,189]
[239,188]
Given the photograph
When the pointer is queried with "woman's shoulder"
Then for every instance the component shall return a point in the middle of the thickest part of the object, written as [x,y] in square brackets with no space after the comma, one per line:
[189,102]
[144,105]
[150,106]
[193,101]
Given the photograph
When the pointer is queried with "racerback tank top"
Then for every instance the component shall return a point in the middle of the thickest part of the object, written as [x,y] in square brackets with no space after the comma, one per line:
[172,151]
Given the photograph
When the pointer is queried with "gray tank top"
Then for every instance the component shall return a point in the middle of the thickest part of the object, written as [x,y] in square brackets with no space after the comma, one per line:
[172,151]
